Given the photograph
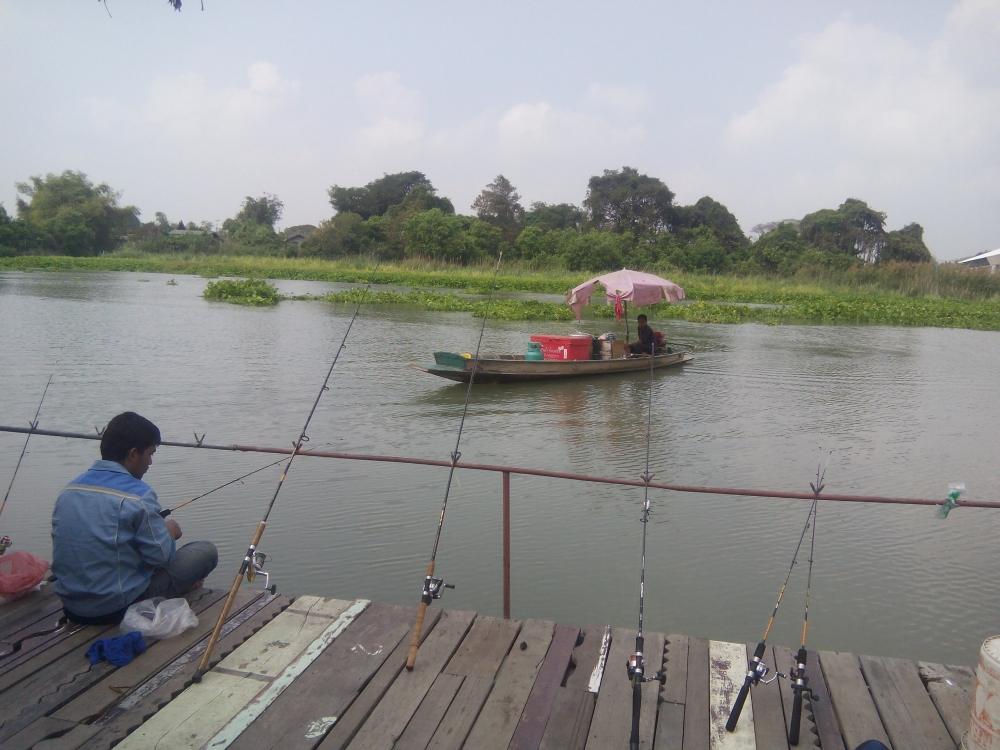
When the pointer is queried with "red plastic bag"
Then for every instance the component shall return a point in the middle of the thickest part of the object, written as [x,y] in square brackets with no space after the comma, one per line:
[20,572]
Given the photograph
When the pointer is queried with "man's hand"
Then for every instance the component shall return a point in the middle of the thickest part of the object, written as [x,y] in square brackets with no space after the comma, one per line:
[173,528]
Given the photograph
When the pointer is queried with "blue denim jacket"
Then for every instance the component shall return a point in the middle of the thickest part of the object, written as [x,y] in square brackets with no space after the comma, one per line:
[107,538]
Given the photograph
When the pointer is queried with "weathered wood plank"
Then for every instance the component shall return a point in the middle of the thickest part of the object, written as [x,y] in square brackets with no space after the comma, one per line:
[535,715]
[727,670]
[907,711]
[696,735]
[482,651]
[360,709]
[28,608]
[71,740]
[848,691]
[584,658]
[495,725]
[36,731]
[104,694]
[612,722]
[268,652]
[670,716]
[951,690]
[390,717]
[457,722]
[569,721]
[263,700]
[821,709]
[428,715]
[301,716]
[770,729]
[160,688]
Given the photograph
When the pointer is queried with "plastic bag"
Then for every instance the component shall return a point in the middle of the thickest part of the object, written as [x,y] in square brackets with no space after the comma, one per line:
[20,572]
[159,618]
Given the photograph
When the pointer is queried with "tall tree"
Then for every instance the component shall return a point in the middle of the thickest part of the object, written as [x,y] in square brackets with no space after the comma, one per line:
[708,212]
[853,229]
[378,196]
[627,201]
[72,215]
[554,216]
[265,210]
[499,204]
[906,245]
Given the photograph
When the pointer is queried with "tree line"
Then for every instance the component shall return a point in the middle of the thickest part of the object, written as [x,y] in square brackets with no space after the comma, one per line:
[626,218]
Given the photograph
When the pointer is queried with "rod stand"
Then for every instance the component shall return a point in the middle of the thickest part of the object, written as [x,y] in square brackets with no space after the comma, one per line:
[433,589]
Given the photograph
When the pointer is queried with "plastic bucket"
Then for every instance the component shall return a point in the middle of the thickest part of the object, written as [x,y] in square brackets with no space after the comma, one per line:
[984,724]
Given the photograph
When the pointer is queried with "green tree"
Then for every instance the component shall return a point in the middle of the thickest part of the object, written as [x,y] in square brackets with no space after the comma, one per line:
[627,201]
[702,251]
[499,204]
[708,212]
[906,245]
[344,234]
[853,229]
[779,249]
[595,251]
[483,240]
[265,210]
[72,216]
[378,196]
[435,234]
[554,216]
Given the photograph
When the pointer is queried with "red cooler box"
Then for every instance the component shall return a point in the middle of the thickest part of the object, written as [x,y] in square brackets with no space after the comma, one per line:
[564,347]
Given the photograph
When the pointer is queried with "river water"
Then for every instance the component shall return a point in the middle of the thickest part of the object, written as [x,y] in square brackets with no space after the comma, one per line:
[887,411]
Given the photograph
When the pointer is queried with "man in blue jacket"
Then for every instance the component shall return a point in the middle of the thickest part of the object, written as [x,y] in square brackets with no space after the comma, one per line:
[110,546]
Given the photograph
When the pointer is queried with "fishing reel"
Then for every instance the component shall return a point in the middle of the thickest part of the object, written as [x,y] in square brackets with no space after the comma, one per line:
[800,683]
[758,672]
[432,589]
[5,542]
[635,666]
[256,568]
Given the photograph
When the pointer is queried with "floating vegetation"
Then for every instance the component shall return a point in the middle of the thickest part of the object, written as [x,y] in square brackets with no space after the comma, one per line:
[242,292]
[502,309]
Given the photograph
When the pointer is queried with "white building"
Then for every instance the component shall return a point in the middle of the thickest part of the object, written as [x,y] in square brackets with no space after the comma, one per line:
[989,259]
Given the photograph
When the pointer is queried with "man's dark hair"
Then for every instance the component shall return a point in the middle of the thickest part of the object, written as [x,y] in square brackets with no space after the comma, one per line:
[127,431]
[642,317]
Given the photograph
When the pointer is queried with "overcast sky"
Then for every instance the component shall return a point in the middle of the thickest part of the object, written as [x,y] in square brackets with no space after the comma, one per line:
[774,108]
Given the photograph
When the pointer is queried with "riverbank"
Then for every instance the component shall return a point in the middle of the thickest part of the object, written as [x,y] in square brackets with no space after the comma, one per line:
[934,296]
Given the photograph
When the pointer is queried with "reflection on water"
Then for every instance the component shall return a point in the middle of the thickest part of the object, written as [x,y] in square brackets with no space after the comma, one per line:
[904,412]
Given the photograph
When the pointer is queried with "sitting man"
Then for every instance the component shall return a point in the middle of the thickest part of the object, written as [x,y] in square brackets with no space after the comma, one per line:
[110,546]
[647,338]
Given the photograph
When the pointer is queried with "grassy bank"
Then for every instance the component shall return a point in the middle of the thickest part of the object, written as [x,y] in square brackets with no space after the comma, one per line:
[924,295]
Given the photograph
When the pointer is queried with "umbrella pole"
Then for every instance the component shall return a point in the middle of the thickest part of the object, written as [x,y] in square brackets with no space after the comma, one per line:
[626,322]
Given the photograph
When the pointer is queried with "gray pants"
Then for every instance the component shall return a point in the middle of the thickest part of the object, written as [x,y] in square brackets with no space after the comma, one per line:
[194,561]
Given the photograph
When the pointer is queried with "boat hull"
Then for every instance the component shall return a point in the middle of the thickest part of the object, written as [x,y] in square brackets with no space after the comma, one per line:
[509,369]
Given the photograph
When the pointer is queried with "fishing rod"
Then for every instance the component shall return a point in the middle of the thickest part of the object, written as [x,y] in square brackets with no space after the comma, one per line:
[433,585]
[797,675]
[636,665]
[5,541]
[253,560]
[167,511]
[757,671]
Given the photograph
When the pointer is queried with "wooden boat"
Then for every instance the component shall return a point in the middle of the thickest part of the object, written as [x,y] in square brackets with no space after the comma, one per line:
[506,368]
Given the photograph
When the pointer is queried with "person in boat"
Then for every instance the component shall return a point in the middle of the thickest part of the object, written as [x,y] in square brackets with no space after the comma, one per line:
[646,343]
[110,545]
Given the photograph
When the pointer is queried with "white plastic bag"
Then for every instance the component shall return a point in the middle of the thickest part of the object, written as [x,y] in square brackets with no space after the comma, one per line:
[159,618]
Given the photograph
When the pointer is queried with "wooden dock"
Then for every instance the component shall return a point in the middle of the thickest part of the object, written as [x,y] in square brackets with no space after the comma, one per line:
[328,673]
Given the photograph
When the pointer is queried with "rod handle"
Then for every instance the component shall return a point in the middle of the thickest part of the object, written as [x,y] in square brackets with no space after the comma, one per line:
[633,740]
[418,625]
[793,729]
[734,715]
[165,512]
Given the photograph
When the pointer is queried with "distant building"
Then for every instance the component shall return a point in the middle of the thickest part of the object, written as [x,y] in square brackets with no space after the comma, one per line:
[186,232]
[297,235]
[990,259]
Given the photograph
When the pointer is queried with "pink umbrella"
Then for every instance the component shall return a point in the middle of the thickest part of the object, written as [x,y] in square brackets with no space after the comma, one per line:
[626,286]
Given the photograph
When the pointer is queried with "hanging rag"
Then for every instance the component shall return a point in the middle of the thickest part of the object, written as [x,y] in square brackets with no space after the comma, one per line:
[619,311]
[119,651]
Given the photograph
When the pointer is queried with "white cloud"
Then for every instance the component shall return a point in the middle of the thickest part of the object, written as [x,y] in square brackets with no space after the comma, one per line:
[628,101]
[542,128]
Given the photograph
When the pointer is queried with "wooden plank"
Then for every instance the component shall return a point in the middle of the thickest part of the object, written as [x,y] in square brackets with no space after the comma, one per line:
[960,677]
[569,721]
[37,731]
[612,722]
[696,703]
[106,693]
[160,688]
[824,723]
[670,716]
[951,690]
[604,649]
[206,708]
[585,656]
[428,716]
[23,613]
[851,699]
[305,711]
[497,721]
[59,681]
[71,740]
[269,651]
[350,721]
[457,722]
[907,711]
[727,670]
[531,725]
[390,717]
[242,720]
[770,729]
[191,718]
[482,651]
